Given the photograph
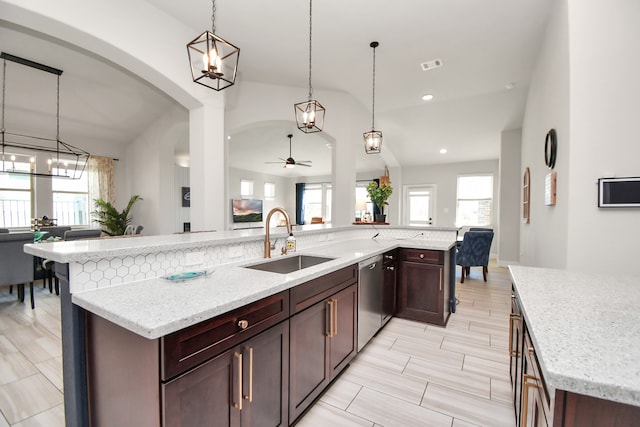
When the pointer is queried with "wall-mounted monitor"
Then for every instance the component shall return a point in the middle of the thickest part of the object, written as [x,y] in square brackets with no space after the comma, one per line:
[619,192]
[246,210]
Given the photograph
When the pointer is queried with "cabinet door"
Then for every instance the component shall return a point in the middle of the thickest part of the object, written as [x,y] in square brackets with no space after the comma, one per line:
[266,378]
[388,292]
[308,357]
[343,342]
[516,343]
[421,294]
[535,400]
[203,396]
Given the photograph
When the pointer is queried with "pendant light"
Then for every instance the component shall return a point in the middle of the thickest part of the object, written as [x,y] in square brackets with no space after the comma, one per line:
[26,154]
[310,113]
[213,60]
[373,138]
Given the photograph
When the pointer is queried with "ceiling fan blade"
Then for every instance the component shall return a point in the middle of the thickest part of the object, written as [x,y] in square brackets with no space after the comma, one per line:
[302,164]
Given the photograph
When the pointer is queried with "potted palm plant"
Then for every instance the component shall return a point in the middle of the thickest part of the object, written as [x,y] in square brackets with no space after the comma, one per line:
[112,222]
[379,194]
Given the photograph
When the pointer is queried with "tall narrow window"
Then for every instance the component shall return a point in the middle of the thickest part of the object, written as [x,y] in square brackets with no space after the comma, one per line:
[269,190]
[317,202]
[475,200]
[70,200]
[15,197]
[246,188]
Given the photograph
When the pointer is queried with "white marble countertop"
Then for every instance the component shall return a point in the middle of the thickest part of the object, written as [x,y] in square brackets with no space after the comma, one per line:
[95,249]
[156,307]
[585,329]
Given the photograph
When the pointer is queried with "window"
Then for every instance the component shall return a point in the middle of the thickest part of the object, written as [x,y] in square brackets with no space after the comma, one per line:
[71,200]
[419,204]
[317,202]
[269,190]
[246,188]
[363,203]
[475,200]
[15,197]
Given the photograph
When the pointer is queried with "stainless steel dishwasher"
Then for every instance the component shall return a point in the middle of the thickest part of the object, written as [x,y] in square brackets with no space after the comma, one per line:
[369,299]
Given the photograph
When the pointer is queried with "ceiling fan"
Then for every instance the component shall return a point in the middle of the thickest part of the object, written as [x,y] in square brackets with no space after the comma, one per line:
[289,162]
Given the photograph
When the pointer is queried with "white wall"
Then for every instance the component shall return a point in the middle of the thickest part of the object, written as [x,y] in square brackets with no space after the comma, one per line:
[605,110]
[150,173]
[544,242]
[510,207]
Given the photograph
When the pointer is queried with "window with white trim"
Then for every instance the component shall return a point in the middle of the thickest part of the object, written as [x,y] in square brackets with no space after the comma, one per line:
[317,202]
[474,205]
[246,188]
[419,204]
[71,200]
[269,190]
[15,196]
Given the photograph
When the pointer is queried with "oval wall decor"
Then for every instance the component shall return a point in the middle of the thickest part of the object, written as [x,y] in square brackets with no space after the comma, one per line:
[550,149]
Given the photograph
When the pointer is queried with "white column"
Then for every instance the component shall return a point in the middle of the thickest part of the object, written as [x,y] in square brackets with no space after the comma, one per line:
[344,181]
[209,202]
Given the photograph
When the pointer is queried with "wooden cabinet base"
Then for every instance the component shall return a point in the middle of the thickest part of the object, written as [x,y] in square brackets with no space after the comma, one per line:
[578,410]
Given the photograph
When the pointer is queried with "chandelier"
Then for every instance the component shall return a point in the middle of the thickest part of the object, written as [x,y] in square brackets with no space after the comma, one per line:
[213,60]
[373,138]
[36,155]
[309,113]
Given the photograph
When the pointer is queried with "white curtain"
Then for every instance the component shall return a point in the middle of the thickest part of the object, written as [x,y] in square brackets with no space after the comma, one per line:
[101,181]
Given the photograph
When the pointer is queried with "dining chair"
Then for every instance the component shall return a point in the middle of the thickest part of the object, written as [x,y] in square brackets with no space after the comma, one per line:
[474,252]
[53,231]
[15,264]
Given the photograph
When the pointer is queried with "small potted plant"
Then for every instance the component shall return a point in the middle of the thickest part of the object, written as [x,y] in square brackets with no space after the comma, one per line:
[379,194]
[112,222]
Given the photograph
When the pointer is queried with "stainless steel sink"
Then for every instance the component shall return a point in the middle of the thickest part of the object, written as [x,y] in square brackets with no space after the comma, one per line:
[289,264]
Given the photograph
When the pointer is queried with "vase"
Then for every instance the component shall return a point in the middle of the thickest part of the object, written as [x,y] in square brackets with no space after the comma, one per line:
[380,218]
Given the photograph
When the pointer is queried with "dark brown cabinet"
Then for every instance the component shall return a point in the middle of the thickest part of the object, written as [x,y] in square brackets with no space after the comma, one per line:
[244,386]
[424,286]
[389,269]
[323,335]
[516,343]
[535,404]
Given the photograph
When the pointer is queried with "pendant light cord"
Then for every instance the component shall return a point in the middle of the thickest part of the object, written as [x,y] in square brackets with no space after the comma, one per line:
[58,112]
[213,16]
[310,26]
[4,90]
[373,102]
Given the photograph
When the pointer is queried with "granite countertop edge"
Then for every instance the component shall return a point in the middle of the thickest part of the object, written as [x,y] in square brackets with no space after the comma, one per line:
[153,308]
[580,325]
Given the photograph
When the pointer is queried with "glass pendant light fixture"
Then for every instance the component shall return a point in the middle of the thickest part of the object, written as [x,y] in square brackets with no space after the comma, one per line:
[213,60]
[310,113]
[373,138]
[37,155]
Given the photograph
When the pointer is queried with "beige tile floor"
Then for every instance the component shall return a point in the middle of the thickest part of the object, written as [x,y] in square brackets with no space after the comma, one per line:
[410,374]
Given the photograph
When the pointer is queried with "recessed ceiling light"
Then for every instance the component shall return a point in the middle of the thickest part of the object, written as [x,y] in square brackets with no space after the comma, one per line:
[329,145]
[228,137]
[510,85]
[443,151]
[427,97]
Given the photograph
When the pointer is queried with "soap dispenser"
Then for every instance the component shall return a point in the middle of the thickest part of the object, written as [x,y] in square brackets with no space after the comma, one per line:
[291,243]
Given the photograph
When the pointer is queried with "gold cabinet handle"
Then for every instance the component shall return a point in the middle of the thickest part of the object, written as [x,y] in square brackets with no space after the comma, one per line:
[391,267]
[532,351]
[238,403]
[421,256]
[335,317]
[243,324]
[249,397]
[329,318]
[526,380]
[512,352]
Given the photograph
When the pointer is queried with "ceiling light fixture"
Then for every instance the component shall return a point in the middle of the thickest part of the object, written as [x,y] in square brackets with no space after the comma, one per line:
[36,155]
[309,113]
[213,60]
[443,151]
[373,138]
[427,97]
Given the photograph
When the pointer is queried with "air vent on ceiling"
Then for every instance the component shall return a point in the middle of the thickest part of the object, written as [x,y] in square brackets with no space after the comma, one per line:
[430,65]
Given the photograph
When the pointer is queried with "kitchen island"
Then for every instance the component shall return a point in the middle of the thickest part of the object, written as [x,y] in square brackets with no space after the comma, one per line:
[575,348]
[154,308]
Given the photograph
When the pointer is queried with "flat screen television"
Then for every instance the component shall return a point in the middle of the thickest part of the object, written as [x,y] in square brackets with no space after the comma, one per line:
[246,210]
[619,192]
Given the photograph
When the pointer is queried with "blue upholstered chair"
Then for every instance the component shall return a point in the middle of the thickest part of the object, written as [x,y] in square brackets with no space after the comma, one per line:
[16,266]
[474,252]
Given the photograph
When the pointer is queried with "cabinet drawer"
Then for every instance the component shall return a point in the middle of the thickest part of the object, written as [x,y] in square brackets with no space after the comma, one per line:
[423,255]
[313,291]
[191,346]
